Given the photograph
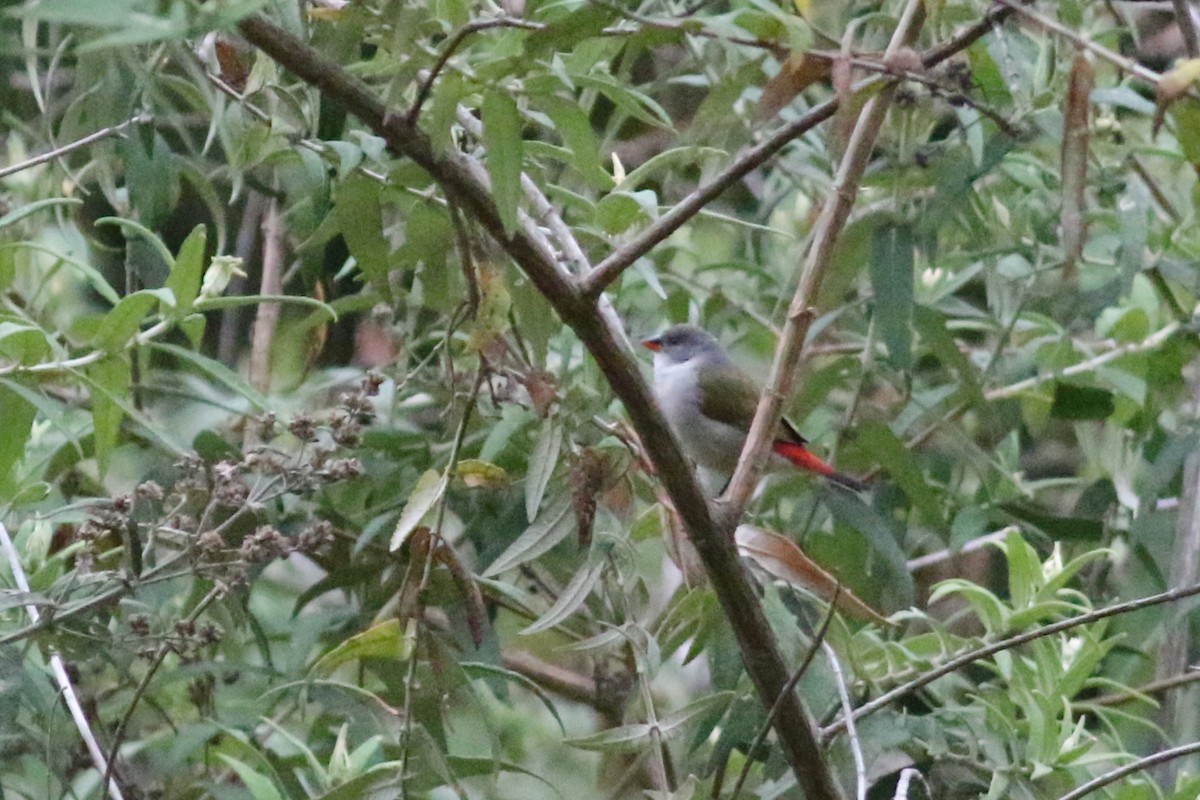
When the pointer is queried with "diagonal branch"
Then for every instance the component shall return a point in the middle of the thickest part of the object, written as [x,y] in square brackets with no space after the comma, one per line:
[463,182]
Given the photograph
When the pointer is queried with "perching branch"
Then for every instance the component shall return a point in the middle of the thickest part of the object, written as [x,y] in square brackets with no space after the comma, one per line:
[464,182]
[816,263]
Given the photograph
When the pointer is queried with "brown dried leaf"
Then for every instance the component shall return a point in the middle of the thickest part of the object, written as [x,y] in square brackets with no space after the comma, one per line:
[798,72]
[1076,135]
[465,583]
[780,558]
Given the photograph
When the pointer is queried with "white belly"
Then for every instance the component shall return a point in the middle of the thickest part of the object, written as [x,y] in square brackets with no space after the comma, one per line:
[711,444]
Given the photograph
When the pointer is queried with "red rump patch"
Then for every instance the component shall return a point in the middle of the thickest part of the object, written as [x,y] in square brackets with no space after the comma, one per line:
[800,455]
[803,458]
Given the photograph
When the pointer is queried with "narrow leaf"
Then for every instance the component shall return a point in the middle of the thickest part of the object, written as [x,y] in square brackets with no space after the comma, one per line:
[429,489]
[553,525]
[261,787]
[112,378]
[892,280]
[383,640]
[780,558]
[505,153]
[359,217]
[541,465]
[185,276]
[572,597]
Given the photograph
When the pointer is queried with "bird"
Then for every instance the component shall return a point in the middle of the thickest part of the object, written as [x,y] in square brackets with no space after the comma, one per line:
[709,403]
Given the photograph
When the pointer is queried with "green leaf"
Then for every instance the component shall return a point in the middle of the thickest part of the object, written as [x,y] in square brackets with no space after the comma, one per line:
[261,787]
[1084,529]
[184,279]
[386,640]
[113,379]
[124,321]
[129,226]
[429,489]
[931,325]
[359,217]
[1081,402]
[619,209]
[634,103]
[634,738]
[891,269]
[20,213]
[505,153]
[14,432]
[475,668]
[215,369]
[542,462]
[575,128]
[896,460]
[553,525]
[569,600]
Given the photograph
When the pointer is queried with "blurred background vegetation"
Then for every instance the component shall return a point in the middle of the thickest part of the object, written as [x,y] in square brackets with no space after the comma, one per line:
[316,497]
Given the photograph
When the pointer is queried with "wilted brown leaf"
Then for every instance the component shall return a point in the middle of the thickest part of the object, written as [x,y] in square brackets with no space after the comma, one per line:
[1076,135]
[465,583]
[800,71]
[780,558]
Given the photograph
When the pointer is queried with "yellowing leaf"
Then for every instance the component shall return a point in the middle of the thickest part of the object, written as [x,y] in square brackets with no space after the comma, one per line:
[429,489]
[800,71]
[1174,84]
[383,640]
[478,474]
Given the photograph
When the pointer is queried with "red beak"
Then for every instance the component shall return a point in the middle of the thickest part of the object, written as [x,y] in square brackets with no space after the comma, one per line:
[654,344]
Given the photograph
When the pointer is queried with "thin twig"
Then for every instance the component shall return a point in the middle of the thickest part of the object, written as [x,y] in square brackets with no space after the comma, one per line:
[60,673]
[942,556]
[1151,342]
[267,318]
[1142,692]
[71,147]
[978,654]
[160,655]
[1135,766]
[788,688]
[860,765]
[1187,27]
[448,49]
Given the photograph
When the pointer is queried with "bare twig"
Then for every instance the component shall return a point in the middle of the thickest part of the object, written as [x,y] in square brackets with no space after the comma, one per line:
[1142,692]
[942,556]
[1151,342]
[860,765]
[978,654]
[1120,772]
[267,318]
[71,147]
[451,45]
[215,593]
[1187,27]
[60,674]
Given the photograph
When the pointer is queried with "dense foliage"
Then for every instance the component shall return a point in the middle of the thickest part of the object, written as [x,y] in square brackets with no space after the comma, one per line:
[316,496]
